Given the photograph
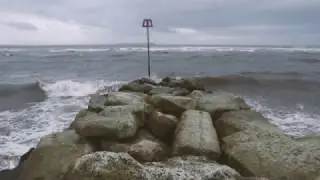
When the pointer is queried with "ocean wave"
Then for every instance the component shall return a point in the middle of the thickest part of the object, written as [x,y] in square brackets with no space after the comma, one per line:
[248,81]
[14,96]
[270,74]
[310,60]
[70,88]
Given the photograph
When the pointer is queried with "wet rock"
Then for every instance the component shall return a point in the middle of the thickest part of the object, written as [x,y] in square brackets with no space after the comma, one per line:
[136,87]
[186,83]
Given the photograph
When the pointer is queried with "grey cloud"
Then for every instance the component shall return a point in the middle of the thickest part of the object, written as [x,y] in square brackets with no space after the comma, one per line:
[241,18]
[22,26]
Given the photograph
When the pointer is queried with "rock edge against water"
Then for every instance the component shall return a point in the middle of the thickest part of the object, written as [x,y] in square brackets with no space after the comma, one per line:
[172,130]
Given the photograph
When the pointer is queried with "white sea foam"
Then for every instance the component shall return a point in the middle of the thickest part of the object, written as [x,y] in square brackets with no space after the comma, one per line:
[79,50]
[294,122]
[216,49]
[26,127]
[68,88]
[11,49]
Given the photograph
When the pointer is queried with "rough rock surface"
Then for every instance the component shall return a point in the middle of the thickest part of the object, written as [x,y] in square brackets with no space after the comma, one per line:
[82,113]
[114,128]
[141,111]
[106,166]
[145,148]
[174,105]
[136,87]
[149,151]
[190,168]
[219,102]
[123,98]
[162,125]
[145,80]
[53,155]
[196,135]
[161,90]
[187,83]
[254,147]
[96,103]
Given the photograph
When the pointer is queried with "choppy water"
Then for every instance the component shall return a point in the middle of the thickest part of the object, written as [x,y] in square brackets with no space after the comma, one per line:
[42,88]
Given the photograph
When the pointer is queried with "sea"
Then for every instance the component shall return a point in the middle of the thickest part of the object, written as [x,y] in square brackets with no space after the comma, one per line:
[43,87]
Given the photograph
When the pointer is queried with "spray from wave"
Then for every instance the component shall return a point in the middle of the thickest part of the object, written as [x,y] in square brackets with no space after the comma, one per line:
[22,129]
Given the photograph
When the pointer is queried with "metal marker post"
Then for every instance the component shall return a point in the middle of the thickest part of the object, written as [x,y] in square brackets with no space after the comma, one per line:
[147,23]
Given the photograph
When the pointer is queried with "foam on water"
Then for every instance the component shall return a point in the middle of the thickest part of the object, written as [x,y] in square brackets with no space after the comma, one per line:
[26,127]
[79,50]
[295,122]
[217,49]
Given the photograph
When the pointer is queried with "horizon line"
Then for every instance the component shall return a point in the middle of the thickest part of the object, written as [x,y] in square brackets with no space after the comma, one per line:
[162,44]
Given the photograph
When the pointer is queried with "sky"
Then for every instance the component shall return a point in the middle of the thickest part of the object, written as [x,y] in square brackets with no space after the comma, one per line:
[216,22]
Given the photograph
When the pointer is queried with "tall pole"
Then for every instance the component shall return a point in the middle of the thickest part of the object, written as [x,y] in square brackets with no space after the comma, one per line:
[148,45]
[147,23]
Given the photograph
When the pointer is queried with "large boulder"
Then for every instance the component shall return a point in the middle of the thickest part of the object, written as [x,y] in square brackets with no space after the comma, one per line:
[82,113]
[123,98]
[190,168]
[145,80]
[174,105]
[218,103]
[141,111]
[119,127]
[145,148]
[162,125]
[106,166]
[96,103]
[187,83]
[136,87]
[53,155]
[161,90]
[235,121]
[255,147]
[196,135]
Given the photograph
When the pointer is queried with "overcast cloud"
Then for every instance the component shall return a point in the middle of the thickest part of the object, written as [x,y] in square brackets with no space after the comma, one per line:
[294,22]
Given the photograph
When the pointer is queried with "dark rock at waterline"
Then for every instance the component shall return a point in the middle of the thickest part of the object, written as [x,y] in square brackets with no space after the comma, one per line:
[13,174]
[190,84]
[53,155]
